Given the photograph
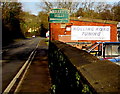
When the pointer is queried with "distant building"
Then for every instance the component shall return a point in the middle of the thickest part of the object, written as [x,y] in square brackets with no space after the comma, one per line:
[47,34]
[29,30]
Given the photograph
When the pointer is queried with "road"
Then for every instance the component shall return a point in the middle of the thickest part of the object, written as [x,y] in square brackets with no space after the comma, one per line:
[37,78]
[14,56]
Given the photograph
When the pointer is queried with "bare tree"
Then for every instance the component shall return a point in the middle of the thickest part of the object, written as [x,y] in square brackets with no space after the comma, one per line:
[116,11]
[71,6]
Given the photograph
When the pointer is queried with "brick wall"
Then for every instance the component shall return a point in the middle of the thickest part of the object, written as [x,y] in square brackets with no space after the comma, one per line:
[57,30]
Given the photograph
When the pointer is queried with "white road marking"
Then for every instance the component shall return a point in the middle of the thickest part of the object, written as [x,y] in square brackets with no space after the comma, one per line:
[7,90]
[16,90]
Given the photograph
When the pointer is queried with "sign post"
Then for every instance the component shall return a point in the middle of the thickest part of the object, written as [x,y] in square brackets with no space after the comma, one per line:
[59,16]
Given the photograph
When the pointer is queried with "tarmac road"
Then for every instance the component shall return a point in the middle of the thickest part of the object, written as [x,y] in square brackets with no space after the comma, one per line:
[14,56]
[37,78]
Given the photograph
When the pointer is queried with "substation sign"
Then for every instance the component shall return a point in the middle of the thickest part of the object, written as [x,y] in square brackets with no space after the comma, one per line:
[90,32]
[59,16]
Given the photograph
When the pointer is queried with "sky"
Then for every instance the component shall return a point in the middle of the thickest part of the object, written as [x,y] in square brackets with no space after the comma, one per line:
[33,7]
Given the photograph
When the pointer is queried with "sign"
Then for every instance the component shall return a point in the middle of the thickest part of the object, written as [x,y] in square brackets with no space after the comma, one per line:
[90,32]
[118,25]
[59,16]
[68,29]
[62,25]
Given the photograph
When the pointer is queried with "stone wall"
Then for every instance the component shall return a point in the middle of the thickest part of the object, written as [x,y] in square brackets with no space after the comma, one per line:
[74,71]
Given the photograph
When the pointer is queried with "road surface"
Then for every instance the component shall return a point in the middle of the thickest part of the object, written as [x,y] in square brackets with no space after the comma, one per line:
[14,56]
